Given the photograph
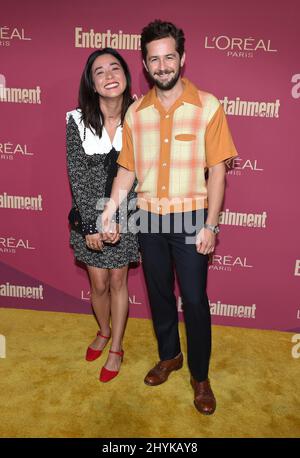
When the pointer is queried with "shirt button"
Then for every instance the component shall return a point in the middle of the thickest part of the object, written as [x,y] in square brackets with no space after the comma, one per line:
[164,164]
[163,187]
[166,140]
[167,116]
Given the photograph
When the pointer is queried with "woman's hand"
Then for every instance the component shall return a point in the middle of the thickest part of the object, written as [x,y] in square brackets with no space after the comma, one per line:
[94,241]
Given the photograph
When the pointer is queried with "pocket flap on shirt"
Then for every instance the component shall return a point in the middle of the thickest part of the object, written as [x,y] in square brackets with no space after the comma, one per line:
[185,137]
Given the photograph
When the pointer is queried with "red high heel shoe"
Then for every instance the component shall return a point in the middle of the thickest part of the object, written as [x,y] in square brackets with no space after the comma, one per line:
[106,375]
[92,354]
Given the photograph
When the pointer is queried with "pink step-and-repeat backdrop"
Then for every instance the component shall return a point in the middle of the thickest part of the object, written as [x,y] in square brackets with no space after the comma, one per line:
[247,54]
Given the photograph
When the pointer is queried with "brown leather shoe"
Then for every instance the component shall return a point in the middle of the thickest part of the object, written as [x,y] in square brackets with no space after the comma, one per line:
[205,401]
[160,373]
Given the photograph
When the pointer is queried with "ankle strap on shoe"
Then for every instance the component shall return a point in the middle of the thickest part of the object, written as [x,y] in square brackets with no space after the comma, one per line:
[100,335]
[120,353]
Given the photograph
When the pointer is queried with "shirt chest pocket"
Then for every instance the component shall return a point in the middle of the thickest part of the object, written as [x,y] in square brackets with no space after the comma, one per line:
[185,137]
[183,148]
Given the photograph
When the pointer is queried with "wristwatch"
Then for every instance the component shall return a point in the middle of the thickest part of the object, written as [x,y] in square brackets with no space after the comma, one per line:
[210,227]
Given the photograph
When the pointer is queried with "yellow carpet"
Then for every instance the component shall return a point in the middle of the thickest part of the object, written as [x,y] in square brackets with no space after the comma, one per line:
[47,389]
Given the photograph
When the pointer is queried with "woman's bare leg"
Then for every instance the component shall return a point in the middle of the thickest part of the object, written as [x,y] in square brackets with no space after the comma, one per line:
[119,313]
[99,279]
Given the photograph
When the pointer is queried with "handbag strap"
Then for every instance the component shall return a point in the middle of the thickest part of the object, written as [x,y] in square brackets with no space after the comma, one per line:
[84,137]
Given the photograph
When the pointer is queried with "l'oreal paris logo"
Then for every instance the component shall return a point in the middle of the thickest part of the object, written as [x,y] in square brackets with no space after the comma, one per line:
[11,244]
[14,243]
[237,46]
[10,150]
[238,165]
[12,33]
[228,262]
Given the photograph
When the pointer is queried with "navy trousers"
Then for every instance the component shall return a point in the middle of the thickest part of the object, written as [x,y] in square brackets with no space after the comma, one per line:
[163,248]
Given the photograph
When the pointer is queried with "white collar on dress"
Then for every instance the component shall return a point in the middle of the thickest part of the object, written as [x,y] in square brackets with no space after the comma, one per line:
[92,143]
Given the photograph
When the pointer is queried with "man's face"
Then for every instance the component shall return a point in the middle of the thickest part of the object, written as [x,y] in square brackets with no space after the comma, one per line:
[163,63]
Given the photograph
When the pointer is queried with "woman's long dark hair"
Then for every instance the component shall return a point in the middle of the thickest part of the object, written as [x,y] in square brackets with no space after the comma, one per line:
[88,99]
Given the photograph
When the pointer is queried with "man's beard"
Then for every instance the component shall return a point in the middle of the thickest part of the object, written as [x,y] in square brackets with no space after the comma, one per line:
[165,85]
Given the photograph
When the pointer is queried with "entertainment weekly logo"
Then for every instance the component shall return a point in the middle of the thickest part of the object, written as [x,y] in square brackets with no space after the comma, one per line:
[86,296]
[250,108]
[297,268]
[22,291]
[238,166]
[116,40]
[12,245]
[232,310]
[2,80]
[227,310]
[12,150]
[240,47]
[9,35]
[228,263]
[296,88]
[251,220]
[34,203]
[19,94]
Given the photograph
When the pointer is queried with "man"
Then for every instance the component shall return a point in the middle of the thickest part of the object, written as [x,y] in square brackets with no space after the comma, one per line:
[171,137]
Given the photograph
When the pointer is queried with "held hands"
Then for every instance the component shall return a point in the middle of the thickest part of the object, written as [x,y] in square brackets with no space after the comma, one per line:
[111,230]
[205,241]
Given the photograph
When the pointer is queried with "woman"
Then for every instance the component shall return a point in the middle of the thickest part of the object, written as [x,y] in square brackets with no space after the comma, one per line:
[94,138]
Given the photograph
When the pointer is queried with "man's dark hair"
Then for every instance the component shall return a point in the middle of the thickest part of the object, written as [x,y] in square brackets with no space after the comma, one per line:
[88,99]
[161,29]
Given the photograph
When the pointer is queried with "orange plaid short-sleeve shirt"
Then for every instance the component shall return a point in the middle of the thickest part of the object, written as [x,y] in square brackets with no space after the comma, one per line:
[169,151]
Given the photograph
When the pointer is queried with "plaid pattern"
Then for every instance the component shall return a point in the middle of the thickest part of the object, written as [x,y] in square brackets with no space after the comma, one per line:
[170,151]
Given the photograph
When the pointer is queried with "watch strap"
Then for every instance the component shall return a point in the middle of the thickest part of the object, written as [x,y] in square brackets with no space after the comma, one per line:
[210,227]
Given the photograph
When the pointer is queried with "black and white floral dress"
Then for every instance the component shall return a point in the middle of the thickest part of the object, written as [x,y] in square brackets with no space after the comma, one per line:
[91,167]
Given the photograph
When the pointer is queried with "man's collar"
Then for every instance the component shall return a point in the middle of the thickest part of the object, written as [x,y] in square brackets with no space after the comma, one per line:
[189,95]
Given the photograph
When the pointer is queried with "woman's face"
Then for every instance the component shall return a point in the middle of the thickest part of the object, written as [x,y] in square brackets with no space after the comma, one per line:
[108,76]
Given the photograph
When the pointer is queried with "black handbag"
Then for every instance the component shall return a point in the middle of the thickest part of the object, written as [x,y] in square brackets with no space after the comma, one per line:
[75,220]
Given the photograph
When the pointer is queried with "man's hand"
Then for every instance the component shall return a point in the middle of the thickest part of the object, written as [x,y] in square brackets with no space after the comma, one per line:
[94,241]
[205,241]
